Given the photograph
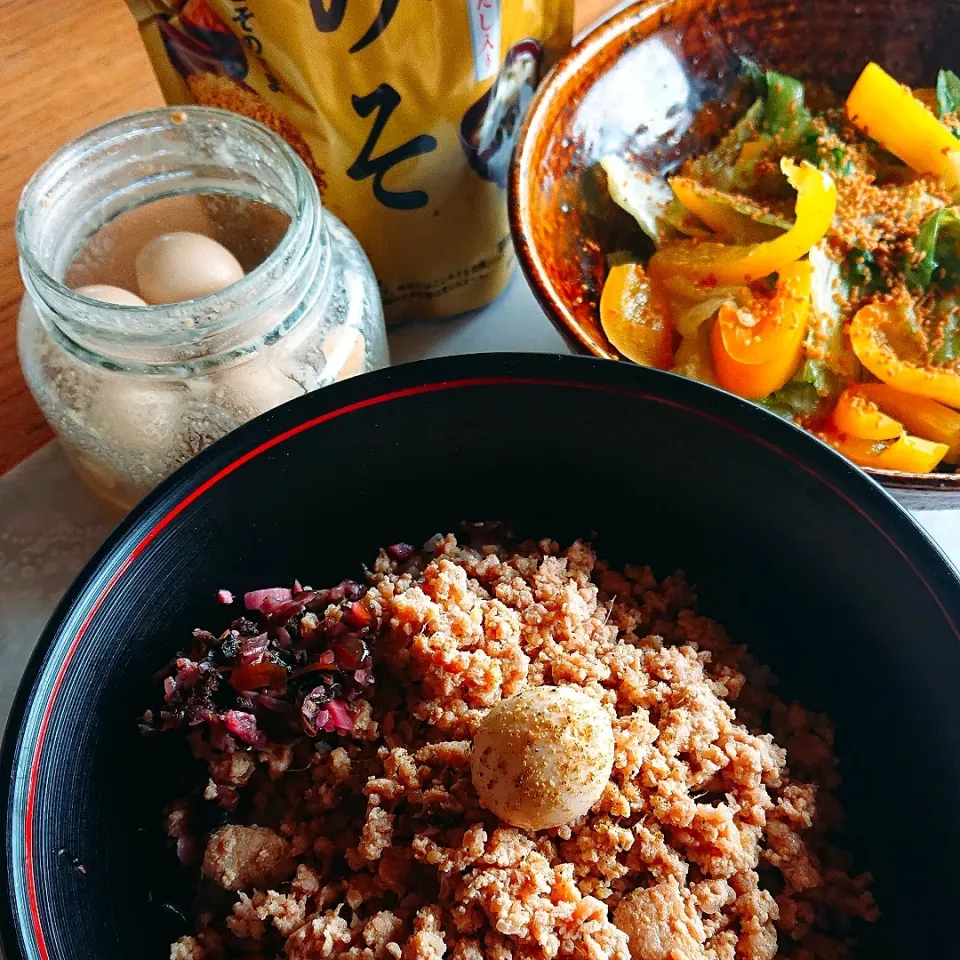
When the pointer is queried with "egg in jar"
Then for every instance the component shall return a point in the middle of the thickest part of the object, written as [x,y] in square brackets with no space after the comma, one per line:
[174,267]
[106,293]
[108,257]
[344,350]
[543,758]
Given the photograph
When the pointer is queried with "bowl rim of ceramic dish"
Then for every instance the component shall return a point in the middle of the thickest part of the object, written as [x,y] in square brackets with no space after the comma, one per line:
[922,490]
[21,923]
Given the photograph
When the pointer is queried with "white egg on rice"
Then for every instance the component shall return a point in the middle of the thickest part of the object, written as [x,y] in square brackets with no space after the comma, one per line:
[543,758]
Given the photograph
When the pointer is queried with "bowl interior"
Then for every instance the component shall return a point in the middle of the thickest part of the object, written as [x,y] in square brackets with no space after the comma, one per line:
[797,553]
[637,87]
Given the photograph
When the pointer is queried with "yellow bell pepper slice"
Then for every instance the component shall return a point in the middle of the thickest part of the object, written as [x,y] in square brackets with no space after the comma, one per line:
[856,415]
[756,350]
[920,415]
[635,316]
[726,221]
[907,454]
[888,112]
[706,264]
[873,333]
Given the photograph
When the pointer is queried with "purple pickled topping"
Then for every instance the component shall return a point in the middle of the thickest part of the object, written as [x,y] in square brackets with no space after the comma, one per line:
[318,696]
[324,721]
[264,700]
[230,646]
[359,617]
[345,590]
[199,713]
[353,590]
[244,727]
[270,608]
[256,599]
[350,652]
[341,718]
[252,649]
[401,552]
[228,682]
[188,673]
[220,739]
[313,716]
[321,712]
[287,609]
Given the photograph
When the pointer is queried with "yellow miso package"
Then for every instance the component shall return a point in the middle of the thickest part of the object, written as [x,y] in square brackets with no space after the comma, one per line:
[405,111]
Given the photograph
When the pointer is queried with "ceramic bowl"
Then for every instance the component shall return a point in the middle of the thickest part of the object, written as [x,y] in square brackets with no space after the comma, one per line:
[799,554]
[638,84]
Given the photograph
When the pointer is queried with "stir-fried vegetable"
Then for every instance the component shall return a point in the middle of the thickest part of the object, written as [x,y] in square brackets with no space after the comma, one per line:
[733,218]
[829,362]
[785,114]
[886,345]
[635,318]
[948,96]
[757,348]
[935,257]
[707,265]
[858,416]
[919,415]
[845,316]
[895,118]
[907,453]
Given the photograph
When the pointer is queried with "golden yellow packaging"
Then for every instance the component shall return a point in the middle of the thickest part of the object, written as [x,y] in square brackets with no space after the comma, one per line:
[404,110]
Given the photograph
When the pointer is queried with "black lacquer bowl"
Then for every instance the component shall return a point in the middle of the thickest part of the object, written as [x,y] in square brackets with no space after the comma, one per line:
[794,550]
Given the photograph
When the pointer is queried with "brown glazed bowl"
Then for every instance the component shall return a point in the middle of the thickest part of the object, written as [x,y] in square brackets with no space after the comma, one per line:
[638,84]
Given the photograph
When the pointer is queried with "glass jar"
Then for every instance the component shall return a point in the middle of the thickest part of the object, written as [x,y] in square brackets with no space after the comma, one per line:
[133,392]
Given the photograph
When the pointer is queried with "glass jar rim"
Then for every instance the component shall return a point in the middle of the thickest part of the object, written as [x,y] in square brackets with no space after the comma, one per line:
[125,129]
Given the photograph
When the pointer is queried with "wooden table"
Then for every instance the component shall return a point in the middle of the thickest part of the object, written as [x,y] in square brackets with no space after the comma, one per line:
[64,67]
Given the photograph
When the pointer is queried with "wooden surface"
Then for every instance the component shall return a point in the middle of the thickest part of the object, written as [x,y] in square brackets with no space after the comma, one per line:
[65,65]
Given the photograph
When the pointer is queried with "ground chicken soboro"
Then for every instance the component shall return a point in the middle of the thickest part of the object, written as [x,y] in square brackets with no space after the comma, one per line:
[707,844]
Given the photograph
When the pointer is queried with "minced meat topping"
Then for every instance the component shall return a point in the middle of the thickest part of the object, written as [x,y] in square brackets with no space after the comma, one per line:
[355,833]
